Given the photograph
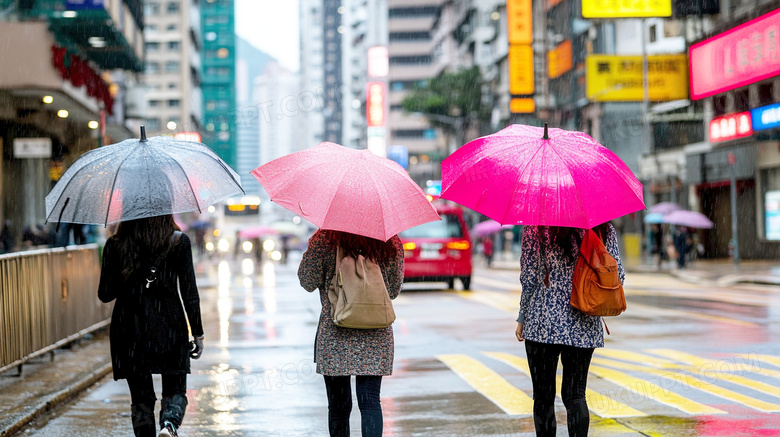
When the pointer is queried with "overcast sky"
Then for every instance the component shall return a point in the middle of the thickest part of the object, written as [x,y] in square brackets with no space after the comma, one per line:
[271,26]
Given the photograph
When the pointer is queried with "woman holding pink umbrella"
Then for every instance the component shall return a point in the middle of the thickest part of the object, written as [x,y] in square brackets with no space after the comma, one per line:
[558,184]
[360,202]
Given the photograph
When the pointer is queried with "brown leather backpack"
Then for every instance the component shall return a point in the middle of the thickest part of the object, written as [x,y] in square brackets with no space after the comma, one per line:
[596,289]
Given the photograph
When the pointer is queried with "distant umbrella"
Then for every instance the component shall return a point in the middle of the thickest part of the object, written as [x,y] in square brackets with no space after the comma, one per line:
[692,219]
[654,218]
[664,207]
[488,227]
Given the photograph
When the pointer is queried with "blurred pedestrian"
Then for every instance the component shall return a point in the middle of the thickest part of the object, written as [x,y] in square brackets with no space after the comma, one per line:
[7,243]
[142,264]
[552,328]
[341,352]
[285,249]
[683,242]
[659,248]
[487,249]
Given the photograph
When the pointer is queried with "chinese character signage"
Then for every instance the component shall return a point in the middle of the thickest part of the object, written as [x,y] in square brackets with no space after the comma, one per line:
[738,57]
[375,104]
[730,127]
[519,21]
[559,60]
[521,70]
[626,8]
[611,78]
[84,4]
[766,117]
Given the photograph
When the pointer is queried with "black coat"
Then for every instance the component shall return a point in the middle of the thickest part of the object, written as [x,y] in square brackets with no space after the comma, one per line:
[148,327]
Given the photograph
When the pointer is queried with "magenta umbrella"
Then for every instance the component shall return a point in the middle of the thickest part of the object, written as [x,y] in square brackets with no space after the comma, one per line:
[488,227]
[692,219]
[523,175]
[349,190]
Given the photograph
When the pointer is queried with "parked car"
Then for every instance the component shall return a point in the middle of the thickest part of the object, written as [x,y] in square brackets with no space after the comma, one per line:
[439,251]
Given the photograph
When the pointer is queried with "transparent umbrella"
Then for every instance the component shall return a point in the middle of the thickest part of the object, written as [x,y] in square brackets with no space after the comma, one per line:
[142,178]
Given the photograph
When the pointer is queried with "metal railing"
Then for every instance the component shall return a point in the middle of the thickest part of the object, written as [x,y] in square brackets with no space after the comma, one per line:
[48,298]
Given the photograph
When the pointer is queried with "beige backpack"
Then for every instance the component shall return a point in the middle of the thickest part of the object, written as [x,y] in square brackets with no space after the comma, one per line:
[358,296]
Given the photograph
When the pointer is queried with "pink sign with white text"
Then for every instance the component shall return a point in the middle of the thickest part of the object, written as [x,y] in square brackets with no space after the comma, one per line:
[741,56]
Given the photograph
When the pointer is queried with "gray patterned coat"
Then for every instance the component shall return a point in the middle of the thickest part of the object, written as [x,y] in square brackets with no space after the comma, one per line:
[344,351]
[546,312]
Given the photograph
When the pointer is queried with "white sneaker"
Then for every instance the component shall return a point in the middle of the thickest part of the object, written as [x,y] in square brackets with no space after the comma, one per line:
[168,430]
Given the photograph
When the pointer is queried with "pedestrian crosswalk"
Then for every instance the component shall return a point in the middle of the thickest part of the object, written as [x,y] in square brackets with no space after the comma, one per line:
[625,383]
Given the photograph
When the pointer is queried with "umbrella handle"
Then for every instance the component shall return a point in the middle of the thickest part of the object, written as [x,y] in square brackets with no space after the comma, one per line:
[59,219]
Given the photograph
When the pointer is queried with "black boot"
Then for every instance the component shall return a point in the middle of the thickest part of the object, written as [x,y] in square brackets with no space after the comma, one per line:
[172,413]
[143,420]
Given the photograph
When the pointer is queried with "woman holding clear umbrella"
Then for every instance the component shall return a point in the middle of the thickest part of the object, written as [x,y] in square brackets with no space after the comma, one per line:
[142,265]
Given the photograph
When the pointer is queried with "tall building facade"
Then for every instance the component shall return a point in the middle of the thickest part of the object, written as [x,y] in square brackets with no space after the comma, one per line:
[218,57]
[173,66]
[410,47]
[332,28]
[72,85]
[312,70]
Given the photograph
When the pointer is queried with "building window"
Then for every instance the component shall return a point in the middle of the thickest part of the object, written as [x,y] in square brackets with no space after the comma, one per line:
[409,36]
[151,27]
[174,103]
[174,45]
[409,133]
[152,67]
[741,100]
[152,124]
[152,8]
[171,28]
[154,103]
[172,85]
[765,91]
[172,8]
[410,60]
[413,12]
[152,47]
[172,66]
[653,33]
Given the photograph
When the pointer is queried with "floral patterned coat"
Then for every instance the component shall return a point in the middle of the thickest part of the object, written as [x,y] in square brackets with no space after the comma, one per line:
[546,312]
[344,351]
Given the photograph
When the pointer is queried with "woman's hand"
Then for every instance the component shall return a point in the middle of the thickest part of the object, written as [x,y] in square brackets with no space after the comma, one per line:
[519,332]
[196,348]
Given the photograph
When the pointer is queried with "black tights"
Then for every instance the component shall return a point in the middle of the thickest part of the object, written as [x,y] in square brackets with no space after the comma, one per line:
[173,405]
[340,404]
[543,362]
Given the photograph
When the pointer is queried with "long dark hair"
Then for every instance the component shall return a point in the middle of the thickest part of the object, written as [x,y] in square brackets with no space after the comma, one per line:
[143,240]
[569,239]
[372,249]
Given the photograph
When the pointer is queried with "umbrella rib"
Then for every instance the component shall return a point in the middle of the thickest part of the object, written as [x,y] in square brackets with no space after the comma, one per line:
[381,206]
[113,184]
[579,194]
[517,183]
[72,178]
[220,162]
[192,189]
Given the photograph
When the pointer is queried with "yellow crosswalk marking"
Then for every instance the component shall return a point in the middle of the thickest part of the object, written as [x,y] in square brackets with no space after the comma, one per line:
[635,357]
[487,382]
[601,405]
[490,298]
[687,379]
[652,391]
[769,359]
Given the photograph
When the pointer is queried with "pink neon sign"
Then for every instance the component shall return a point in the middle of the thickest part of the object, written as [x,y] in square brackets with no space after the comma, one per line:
[741,56]
[730,127]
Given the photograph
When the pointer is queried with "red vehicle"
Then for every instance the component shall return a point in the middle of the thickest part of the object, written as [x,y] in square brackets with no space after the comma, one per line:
[439,251]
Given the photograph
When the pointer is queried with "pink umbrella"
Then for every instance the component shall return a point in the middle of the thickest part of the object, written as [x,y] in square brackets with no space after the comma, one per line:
[691,219]
[256,231]
[488,227]
[348,190]
[664,207]
[522,175]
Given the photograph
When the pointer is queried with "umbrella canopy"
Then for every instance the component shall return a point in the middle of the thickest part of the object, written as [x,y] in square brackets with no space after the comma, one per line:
[256,231]
[664,207]
[488,227]
[692,219]
[349,190]
[654,218]
[525,175]
[140,178]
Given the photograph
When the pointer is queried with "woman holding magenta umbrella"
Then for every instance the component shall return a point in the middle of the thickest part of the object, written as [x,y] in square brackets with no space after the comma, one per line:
[558,184]
[360,202]
[147,265]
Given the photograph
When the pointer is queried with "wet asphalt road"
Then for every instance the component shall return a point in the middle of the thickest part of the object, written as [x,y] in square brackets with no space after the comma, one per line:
[684,360]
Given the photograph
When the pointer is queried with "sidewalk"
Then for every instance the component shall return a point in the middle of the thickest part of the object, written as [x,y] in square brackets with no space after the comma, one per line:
[720,272]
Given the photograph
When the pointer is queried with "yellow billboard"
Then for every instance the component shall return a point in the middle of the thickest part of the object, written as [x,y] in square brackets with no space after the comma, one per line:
[521,70]
[559,59]
[626,8]
[522,105]
[612,78]
[519,21]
